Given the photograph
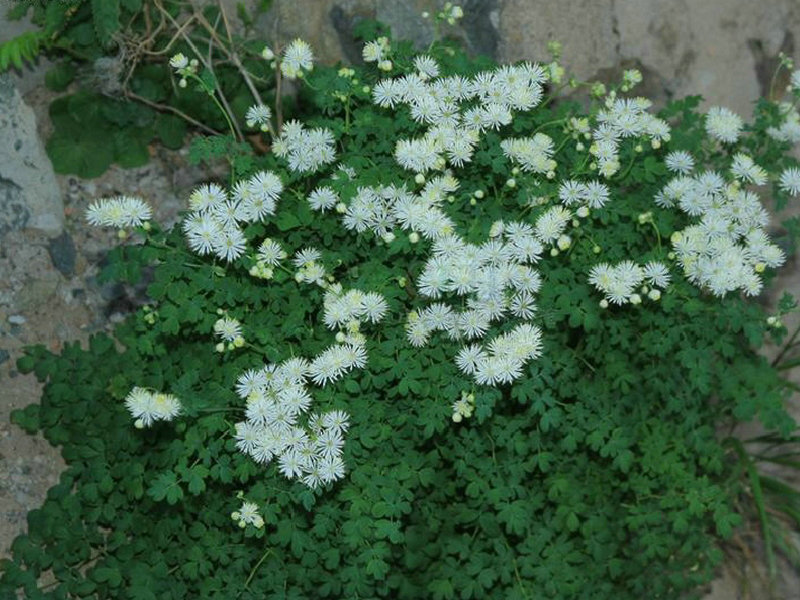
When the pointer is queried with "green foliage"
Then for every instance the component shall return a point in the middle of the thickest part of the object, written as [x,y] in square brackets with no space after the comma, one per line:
[23,48]
[112,117]
[598,474]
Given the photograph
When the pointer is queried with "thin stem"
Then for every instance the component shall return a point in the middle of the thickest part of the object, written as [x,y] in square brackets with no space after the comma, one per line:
[254,569]
[172,109]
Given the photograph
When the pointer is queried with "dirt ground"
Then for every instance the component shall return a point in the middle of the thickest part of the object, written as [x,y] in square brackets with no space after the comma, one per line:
[49,294]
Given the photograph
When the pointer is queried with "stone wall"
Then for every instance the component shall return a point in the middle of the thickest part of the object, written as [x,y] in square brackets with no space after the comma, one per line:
[725,50]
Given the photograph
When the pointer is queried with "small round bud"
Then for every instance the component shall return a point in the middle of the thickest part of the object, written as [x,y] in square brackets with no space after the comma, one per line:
[122,234]
[654,295]
[511,182]
[419,178]
[580,147]
[388,237]
[603,303]
[220,347]
[242,524]
[254,271]
[478,194]
[472,202]
[638,148]
[554,252]
[413,237]
[515,171]
[551,174]
[457,417]
[182,83]
[671,255]
[656,144]
[341,208]
[298,277]
[238,342]
[146,226]
[583,212]
[564,242]
[575,223]
[341,337]
[236,515]
[366,89]
[402,281]
[636,299]
[760,267]
[139,424]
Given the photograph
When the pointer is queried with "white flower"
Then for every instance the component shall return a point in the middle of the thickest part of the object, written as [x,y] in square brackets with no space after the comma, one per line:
[179,61]
[679,162]
[258,115]
[723,124]
[426,66]
[322,199]
[297,57]
[121,212]
[790,181]
[230,245]
[147,407]
[372,52]
[228,329]
[270,252]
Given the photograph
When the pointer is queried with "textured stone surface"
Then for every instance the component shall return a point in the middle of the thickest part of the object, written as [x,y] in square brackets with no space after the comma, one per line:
[29,195]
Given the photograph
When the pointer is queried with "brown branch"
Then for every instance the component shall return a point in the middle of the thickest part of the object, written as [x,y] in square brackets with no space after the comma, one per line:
[172,109]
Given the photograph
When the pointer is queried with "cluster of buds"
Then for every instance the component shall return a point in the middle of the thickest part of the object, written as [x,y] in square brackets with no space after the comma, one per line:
[464,407]
[450,13]
[248,515]
[229,330]
[184,67]
[630,79]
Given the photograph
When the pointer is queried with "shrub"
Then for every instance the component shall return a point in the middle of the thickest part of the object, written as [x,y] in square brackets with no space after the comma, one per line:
[516,432]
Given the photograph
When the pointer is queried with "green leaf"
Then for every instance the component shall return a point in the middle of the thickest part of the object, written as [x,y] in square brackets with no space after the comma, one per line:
[105,18]
[60,76]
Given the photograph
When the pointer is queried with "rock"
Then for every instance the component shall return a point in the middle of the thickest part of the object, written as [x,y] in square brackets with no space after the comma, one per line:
[29,194]
[62,254]
[586,29]
[4,356]
[17,320]
[725,51]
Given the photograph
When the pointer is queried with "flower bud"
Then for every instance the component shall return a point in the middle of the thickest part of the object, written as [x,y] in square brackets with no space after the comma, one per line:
[654,295]
[603,303]
[419,178]
[413,237]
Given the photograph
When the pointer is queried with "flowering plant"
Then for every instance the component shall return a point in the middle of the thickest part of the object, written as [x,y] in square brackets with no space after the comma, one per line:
[528,319]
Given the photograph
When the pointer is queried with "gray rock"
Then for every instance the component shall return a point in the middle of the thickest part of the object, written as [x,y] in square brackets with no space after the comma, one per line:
[29,194]
[17,320]
[62,254]
[4,356]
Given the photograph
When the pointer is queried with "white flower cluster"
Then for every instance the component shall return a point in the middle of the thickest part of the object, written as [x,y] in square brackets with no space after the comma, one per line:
[746,170]
[345,310]
[789,129]
[728,248]
[259,116]
[309,268]
[297,59]
[622,283]
[723,124]
[499,283]
[624,118]
[229,330]
[213,224]
[377,51]
[120,212]
[447,105]
[464,407]
[270,254]
[277,398]
[305,150]
[248,515]
[147,407]
[533,154]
